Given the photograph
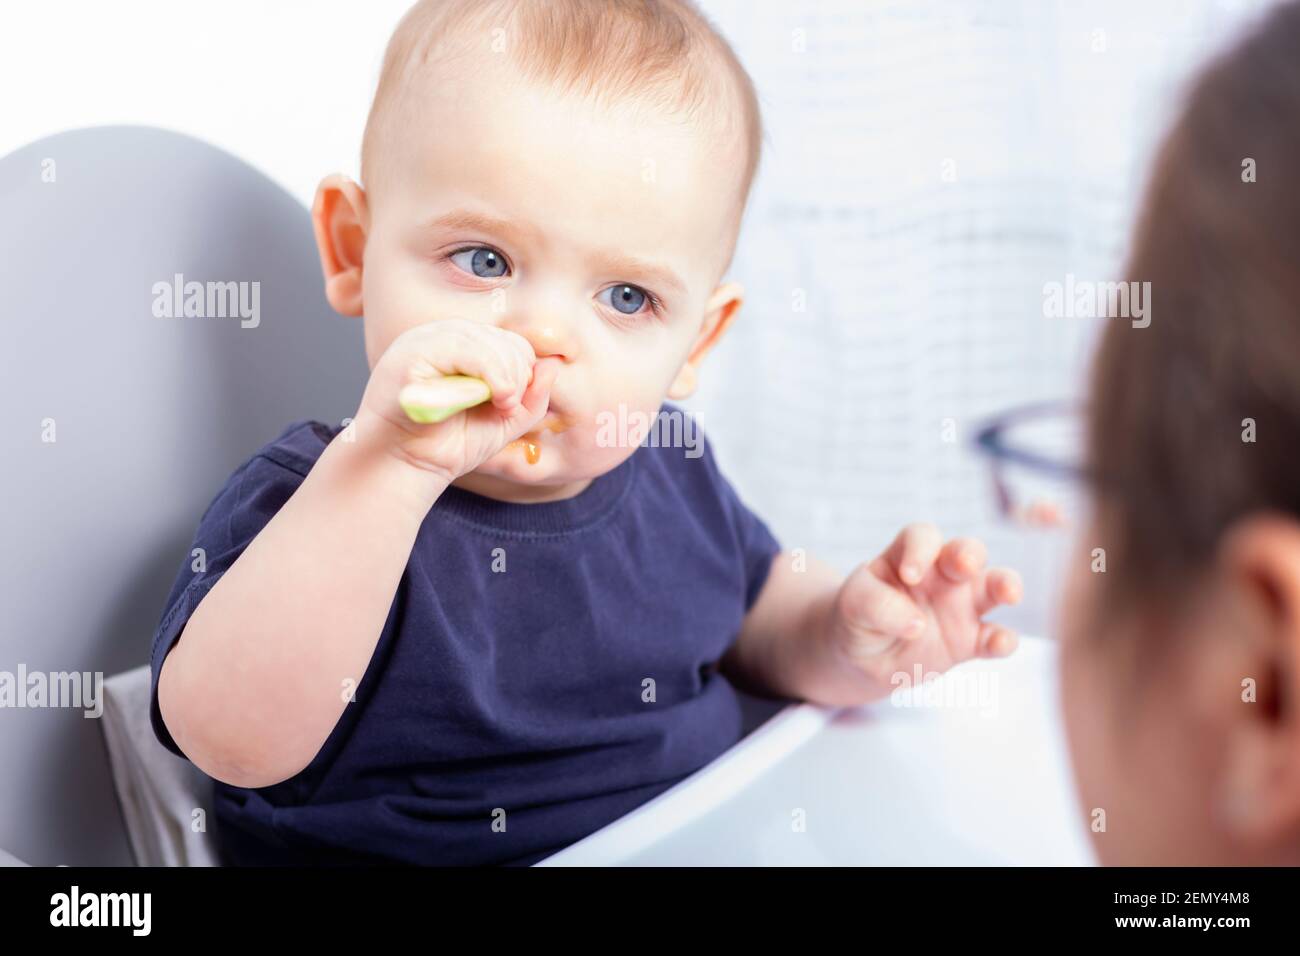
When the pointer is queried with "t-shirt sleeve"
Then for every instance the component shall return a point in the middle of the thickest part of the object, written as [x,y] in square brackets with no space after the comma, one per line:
[247,502]
[758,545]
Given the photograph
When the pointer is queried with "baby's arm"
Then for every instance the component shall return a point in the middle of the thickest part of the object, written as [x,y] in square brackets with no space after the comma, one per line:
[813,635]
[257,681]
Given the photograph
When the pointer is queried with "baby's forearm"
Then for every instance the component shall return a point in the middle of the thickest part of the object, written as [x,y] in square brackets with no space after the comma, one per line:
[260,675]
[780,652]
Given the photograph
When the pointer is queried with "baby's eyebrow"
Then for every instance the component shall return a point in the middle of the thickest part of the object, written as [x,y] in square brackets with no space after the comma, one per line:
[482,222]
[616,262]
[661,276]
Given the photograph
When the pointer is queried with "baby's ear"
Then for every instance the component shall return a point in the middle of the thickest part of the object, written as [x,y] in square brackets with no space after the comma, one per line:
[338,217]
[718,313]
[1260,556]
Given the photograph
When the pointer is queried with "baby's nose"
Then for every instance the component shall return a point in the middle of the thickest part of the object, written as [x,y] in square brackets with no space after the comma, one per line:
[548,338]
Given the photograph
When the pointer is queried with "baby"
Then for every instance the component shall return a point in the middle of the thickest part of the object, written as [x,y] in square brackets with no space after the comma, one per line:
[477,641]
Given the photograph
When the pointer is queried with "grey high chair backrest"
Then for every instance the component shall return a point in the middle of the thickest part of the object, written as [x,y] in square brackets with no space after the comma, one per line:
[120,422]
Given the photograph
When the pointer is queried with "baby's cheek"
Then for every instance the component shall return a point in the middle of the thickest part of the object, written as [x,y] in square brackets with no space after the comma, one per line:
[392,307]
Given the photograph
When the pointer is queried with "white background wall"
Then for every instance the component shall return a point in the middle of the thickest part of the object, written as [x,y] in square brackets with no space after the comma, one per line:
[923,295]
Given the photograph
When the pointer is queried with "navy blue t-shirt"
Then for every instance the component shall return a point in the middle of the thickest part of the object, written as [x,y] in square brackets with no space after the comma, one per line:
[508,685]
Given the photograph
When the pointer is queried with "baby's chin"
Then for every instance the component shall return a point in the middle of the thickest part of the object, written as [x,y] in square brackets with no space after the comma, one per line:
[531,459]
[545,457]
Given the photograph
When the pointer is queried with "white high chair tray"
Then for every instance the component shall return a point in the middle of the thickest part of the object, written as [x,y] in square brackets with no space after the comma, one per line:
[970,769]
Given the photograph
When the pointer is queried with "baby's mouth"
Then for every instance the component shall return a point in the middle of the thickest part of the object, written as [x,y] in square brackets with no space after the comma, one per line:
[553,422]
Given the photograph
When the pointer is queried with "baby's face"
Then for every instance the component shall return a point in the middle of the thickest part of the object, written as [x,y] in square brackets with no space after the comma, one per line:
[599,236]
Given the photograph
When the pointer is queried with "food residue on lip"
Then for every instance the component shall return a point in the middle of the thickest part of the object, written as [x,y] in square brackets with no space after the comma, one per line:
[530,441]
[532,451]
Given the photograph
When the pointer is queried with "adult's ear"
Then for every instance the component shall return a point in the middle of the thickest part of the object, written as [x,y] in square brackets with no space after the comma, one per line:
[339,220]
[1260,770]
[718,313]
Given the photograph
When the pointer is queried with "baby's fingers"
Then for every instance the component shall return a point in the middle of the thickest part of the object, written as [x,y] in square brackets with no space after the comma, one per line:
[537,395]
[961,559]
[913,552]
[874,614]
[510,373]
[501,358]
[995,641]
[1001,586]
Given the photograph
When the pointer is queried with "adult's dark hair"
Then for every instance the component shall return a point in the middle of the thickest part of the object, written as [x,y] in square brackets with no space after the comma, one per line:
[1170,402]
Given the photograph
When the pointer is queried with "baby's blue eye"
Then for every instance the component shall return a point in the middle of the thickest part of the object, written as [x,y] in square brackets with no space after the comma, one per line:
[484,262]
[627,299]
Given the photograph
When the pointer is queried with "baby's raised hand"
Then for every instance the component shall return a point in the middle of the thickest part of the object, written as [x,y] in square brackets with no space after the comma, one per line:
[520,383]
[922,602]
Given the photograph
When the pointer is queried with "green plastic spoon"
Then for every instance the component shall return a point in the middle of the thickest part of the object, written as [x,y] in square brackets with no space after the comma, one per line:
[435,401]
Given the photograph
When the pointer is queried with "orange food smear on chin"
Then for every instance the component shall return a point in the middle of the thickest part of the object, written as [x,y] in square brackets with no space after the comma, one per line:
[532,450]
[531,440]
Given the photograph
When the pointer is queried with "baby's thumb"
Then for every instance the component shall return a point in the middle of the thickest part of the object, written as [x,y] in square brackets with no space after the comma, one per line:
[537,395]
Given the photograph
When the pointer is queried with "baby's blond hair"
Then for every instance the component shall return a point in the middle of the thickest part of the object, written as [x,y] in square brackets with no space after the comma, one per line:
[664,52]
